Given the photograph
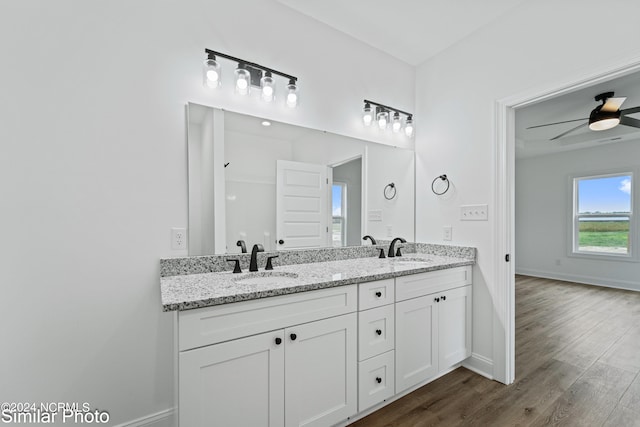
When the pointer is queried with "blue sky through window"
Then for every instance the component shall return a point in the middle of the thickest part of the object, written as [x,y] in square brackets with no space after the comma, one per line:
[605,195]
[336,205]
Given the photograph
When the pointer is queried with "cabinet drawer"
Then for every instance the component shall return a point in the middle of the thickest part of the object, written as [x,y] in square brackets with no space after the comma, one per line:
[204,326]
[376,380]
[376,331]
[418,285]
[375,294]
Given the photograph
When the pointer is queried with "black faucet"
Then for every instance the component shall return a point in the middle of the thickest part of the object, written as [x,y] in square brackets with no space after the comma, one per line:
[392,252]
[373,241]
[253,265]
[242,245]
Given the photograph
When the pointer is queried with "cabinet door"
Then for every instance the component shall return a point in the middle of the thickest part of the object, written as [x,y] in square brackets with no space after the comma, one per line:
[320,372]
[416,341]
[218,382]
[454,317]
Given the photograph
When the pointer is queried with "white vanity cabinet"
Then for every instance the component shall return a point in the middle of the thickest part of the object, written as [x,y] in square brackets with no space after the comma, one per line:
[433,324]
[233,373]
[324,357]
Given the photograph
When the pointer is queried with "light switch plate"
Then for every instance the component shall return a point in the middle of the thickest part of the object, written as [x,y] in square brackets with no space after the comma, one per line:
[375,215]
[474,213]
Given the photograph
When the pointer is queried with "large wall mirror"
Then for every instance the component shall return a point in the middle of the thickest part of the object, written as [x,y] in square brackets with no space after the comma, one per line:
[287,186]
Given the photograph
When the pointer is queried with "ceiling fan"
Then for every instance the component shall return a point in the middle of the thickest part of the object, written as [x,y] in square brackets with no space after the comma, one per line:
[605,116]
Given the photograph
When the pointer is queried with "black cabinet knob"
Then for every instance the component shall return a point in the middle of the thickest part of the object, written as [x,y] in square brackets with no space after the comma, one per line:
[436,299]
[379,331]
[293,337]
[378,380]
[278,341]
[281,242]
[378,294]
[444,297]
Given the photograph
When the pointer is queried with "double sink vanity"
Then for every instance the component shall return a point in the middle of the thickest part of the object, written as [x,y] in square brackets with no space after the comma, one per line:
[325,338]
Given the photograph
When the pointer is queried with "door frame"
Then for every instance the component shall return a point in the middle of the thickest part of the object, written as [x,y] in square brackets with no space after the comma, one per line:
[504,190]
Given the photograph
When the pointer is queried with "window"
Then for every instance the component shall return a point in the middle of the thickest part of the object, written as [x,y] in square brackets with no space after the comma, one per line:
[339,210]
[602,214]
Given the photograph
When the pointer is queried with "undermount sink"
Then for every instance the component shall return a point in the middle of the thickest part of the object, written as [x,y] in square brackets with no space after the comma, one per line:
[266,278]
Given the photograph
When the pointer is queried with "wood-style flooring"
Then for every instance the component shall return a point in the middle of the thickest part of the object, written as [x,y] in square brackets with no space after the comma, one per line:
[577,364]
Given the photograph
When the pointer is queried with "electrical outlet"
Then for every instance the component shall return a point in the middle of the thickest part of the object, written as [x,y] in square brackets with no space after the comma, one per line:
[389,230]
[179,239]
[447,232]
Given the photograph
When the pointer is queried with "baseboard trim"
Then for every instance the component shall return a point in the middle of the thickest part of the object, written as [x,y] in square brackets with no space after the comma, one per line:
[480,365]
[586,280]
[159,419]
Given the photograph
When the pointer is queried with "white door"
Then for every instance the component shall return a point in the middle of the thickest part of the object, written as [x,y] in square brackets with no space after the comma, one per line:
[321,372]
[219,382]
[454,317]
[416,341]
[302,207]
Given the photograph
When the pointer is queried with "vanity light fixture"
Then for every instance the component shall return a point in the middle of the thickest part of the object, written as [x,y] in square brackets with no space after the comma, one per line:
[367,115]
[385,114]
[248,74]
[382,116]
[397,124]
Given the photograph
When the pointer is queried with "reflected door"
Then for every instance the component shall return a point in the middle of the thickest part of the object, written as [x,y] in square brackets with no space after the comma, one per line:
[301,205]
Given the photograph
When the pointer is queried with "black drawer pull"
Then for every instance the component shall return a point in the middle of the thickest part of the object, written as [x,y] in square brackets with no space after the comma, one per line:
[379,331]
[378,294]
[378,380]
[293,337]
[278,341]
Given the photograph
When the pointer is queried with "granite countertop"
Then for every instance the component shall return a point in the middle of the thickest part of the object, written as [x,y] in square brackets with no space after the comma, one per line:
[184,292]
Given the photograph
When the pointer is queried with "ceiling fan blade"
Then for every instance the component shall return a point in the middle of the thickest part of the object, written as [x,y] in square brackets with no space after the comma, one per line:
[630,110]
[569,131]
[556,123]
[613,104]
[630,121]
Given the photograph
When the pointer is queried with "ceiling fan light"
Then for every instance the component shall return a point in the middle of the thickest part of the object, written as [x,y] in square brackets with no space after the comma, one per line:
[603,120]
[604,124]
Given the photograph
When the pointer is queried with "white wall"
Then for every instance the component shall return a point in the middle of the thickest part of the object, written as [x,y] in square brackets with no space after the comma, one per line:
[544,210]
[93,173]
[537,44]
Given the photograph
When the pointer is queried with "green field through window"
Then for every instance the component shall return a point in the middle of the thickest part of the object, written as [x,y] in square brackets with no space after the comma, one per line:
[609,236]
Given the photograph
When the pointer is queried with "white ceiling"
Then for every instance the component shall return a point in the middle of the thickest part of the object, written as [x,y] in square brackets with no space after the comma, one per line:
[410,30]
[575,105]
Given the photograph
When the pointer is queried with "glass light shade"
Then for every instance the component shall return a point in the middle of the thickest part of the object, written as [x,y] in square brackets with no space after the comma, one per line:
[408,127]
[383,119]
[243,81]
[292,95]
[268,86]
[211,73]
[367,115]
[396,124]
[604,124]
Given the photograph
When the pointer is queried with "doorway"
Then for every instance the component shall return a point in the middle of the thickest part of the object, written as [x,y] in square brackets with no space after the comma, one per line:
[504,179]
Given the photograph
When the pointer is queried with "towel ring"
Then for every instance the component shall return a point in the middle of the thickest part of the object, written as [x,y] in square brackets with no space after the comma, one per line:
[433,185]
[390,191]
